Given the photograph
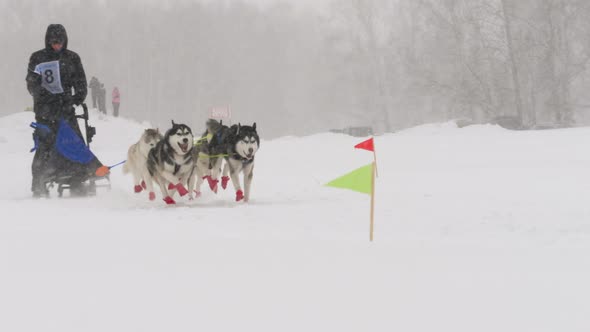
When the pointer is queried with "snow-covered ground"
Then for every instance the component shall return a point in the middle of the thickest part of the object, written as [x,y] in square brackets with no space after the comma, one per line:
[477,229]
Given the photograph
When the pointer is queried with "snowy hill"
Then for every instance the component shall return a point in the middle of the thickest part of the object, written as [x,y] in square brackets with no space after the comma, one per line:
[477,229]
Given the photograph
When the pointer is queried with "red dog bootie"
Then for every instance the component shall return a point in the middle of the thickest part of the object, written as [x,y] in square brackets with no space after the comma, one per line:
[169,200]
[181,189]
[171,186]
[208,178]
[239,195]
[143,184]
[224,181]
[137,188]
[152,195]
[212,183]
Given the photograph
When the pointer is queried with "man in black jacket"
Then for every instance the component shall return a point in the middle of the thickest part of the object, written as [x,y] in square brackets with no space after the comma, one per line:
[94,86]
[56,80]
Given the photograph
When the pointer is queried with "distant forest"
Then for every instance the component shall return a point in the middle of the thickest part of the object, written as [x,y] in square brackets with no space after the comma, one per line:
[387,64]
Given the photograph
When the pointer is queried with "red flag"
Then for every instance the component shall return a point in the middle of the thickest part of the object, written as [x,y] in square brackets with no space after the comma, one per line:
[367,145]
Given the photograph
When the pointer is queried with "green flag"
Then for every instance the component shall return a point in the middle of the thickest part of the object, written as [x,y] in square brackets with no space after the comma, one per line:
[357,180]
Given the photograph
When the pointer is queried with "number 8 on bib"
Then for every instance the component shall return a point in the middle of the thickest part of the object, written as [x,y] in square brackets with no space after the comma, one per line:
[50,77]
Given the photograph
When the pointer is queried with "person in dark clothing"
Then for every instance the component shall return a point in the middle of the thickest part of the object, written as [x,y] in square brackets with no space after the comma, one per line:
[56,80]
[102,99]
[94,86]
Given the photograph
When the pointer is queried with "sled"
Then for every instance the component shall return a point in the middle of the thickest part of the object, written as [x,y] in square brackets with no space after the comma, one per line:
[70,161]
[63,183]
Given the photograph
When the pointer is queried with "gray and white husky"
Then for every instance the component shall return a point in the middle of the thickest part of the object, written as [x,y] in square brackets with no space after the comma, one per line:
[136,163]
[243,143]
[170,163]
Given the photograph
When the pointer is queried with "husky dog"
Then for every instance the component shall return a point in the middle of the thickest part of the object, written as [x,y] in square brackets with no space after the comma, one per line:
[170,163]
[209,152]
[137,160]
[242,142]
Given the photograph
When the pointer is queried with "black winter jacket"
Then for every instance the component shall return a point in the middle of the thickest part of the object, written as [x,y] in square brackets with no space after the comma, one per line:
[41,77]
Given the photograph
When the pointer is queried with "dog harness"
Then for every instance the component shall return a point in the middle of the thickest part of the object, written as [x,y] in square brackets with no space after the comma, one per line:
[202,140]
[177,165]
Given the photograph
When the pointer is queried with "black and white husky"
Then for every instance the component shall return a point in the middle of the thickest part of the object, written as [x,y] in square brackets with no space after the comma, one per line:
[136,163]
[209,152]
[243,143]
[170,163]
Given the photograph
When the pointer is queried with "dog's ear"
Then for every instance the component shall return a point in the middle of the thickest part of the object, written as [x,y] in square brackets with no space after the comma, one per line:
[173,124]
[220,123]
[238,131]
[254,126]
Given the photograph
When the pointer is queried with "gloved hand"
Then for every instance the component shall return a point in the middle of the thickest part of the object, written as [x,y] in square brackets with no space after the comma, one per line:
[34,81]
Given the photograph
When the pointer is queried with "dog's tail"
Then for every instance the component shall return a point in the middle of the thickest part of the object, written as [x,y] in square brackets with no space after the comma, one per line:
[126,169]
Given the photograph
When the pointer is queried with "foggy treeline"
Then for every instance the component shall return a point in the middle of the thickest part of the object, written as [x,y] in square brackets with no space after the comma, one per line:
[388,64]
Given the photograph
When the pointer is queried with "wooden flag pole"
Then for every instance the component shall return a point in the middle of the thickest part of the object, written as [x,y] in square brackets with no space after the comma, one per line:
[375,161]
[375,157]
[372,200]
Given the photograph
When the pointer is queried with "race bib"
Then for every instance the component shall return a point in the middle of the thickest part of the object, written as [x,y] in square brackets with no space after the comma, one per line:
[51,80]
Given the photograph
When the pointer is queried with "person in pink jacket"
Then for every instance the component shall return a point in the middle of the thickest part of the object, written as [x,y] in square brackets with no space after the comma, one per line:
[116,101]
